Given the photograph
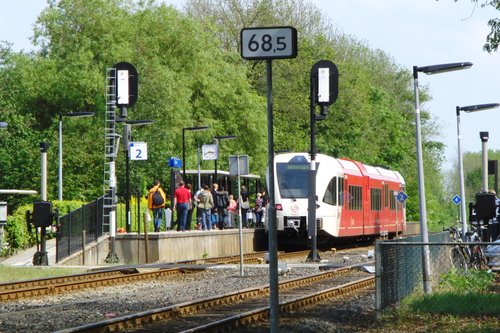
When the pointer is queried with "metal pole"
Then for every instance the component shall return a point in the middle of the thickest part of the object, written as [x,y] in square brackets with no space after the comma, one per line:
[216,142]
[184,154]
[311,215]
[239,216]
[59,180]
[421,190]
[127,190]
[463,209]
[199,172]
[273,239]
[484,140]
[112,257]
[43,184]
[127,128]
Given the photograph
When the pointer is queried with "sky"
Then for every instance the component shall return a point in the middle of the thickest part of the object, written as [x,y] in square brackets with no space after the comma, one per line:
[411,32]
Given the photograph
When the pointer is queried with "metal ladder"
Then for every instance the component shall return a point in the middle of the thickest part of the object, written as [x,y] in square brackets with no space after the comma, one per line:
[111,139]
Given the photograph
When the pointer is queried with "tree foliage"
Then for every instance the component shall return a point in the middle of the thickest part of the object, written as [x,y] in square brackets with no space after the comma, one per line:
[191,73]
[493,37]
[372,121]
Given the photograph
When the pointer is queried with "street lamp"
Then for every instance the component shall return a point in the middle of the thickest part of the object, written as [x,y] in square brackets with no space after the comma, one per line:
[71,115]
[433,69]
[216,142]
[468,109]
[127,135]
[194,128]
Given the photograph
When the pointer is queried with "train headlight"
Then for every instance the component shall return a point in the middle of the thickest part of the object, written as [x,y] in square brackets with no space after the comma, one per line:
[278,207]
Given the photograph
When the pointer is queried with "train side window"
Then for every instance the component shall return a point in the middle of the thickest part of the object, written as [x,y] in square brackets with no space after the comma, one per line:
[387,196]
[356,196]
[376,199]
[341,193]
[330,196]
[393,202]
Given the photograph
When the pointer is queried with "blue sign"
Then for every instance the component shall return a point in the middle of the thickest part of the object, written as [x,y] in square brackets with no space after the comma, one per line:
[175,162]
[402,196]
[456,199]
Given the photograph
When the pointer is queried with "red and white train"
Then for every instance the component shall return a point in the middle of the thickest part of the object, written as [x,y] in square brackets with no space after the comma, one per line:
[354,199]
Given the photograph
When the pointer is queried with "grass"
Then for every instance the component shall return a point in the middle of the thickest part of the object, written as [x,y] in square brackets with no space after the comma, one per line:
[460,303]
[12,274]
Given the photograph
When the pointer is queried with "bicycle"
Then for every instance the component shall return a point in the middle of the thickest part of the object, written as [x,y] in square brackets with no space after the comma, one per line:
[477,259]
[467,256]
[457,254]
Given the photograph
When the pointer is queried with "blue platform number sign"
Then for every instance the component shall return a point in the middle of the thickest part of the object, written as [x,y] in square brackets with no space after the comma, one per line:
[175,162]
[268,43]
[138,151]
[401,196]
[456,199]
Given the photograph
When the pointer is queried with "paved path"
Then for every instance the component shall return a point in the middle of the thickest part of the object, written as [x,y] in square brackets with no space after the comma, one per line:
[25,258]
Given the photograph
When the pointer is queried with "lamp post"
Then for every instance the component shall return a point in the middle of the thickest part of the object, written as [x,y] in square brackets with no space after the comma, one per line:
[127,137]
[194,128]
[216,142]
[60,177]
[433,69]
[468,109]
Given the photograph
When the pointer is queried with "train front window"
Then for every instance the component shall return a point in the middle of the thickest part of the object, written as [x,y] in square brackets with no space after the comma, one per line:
[293,180]
[330,196]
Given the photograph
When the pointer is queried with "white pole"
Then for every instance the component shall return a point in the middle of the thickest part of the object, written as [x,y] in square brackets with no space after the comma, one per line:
[484,140]
[199,173]
[239,216]
[60,181]
[463,210]
[421,190]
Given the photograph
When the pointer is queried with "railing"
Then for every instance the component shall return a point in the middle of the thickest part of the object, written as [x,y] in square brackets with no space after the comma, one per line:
[69,238]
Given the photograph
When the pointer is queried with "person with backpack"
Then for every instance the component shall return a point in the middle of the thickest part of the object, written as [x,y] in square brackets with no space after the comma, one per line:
[156,203]
[205,205]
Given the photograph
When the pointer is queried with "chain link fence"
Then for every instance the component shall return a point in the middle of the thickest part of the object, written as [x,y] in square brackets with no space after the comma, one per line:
[399,266]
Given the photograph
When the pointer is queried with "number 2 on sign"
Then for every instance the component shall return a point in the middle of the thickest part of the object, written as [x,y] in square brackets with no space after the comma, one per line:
[138,154]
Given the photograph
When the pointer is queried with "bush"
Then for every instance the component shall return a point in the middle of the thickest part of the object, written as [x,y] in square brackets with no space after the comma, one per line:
[17,237]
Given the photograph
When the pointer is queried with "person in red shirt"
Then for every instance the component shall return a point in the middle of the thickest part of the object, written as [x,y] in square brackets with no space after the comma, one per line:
[182,200]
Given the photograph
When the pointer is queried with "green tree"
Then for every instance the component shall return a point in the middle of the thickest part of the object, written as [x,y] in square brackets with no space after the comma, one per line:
[372,120]
[184,79]
[493,37]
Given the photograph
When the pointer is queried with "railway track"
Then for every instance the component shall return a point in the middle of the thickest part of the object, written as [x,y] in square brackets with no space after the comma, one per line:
[230,311]
[70,283]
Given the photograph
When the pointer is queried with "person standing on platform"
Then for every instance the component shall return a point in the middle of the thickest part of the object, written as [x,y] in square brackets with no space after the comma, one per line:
[232,211]
[221,200]
[258,210]
[205,205]
[192,205]
[196,201]
[245,205]
[214,217]
[265,202]
[182,200]
[156,203]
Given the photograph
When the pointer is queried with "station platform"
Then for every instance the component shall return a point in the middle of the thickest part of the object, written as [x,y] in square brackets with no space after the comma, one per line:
[168,246]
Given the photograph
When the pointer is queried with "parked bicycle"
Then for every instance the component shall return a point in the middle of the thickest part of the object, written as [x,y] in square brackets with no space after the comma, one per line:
[466,255]
[457,253]
[477,259]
